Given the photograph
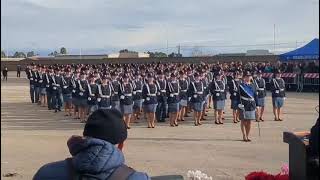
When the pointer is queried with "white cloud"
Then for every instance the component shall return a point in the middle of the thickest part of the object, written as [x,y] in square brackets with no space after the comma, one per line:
[147,24]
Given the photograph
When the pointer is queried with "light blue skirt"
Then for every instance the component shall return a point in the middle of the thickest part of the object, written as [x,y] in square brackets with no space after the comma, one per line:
[198,106]
[184,103]
[43,91]
[219,104]
[247,115]
[67,98]
[234,104]
[116,105]
[137,104]
[260,102]
[173,107]
[278,102]
[150,108]
[126,109]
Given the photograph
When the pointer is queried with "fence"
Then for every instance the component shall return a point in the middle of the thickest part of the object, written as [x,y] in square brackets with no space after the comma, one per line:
[294,82]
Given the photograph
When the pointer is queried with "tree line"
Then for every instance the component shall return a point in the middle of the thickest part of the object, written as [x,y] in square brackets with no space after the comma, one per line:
[20,54]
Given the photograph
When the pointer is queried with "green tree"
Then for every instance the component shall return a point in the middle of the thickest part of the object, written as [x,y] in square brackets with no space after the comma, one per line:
[30,54]
[63,50]
[55,53]
[175,55]
[19,55]
[157,54]
[3,54]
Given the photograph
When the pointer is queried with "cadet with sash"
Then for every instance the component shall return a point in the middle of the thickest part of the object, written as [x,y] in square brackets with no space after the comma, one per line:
[278,95]
[115,85]
[57,98]
[67,92]
[82,89]
[105,93]
[126,100]
[196,96]
[149,93]
[247,105]
[42,82]
[261,94]
[218,91]
[162,97]
[31,75]
[92,95]
[173,91]
[137,97]
[234,95]
[184,86]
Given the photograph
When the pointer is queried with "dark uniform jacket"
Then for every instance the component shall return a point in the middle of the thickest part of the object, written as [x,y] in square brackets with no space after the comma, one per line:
[218,89]
[92,92]
[137,90]
[105,93]
[56,82]
[48,82]
[66,85]
[162,90]
[248,96]
[196,91]
[234,89]
[173,91]
[277,87]
[126,94]
[82,89]
[149,93]
[261,87]
[184,86]
[115,84]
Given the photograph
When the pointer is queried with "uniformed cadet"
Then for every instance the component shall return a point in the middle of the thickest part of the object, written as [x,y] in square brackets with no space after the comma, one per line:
[41,81]
[247,104]
[210,78]
[105,93]
[234,95]
[190,78]
[149,93]
[49,89]
[218,91]
[67,92]
[261,94]
[75,94]
[162,97]
[115,85]
[126,99]
[57,98]
[137,96]
[31,75]
[92,92]
[206,94]
[173,91]
[196,96]
[82,89]
[184,85]
[278,95]
[37,85]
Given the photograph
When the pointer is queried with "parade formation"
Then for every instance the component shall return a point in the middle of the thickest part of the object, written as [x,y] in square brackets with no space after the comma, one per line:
[157,91]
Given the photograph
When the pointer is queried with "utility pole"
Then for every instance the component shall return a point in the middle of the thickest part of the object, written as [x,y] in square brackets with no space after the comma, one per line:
[274,38]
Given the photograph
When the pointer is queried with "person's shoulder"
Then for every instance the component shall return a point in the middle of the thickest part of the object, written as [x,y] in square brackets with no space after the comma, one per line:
[55,170]
[139,176]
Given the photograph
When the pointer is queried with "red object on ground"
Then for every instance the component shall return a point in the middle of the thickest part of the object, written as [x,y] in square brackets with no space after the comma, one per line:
[265,176]
[120,146]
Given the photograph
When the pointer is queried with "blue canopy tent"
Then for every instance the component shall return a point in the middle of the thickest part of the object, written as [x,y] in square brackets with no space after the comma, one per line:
[308,52]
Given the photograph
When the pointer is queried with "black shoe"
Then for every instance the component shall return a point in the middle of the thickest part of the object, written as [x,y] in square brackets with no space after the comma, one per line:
[59,109]
[55,111]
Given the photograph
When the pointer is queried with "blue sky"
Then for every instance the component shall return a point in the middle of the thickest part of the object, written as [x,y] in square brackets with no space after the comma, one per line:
[106,26]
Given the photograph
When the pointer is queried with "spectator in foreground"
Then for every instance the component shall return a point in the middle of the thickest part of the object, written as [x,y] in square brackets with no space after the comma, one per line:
[5,73]
[94,154]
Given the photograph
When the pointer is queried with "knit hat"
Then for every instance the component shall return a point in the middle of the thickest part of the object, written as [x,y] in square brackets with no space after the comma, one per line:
[106,125]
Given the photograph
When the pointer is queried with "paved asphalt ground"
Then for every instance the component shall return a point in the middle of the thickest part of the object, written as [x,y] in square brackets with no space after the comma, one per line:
[32,136]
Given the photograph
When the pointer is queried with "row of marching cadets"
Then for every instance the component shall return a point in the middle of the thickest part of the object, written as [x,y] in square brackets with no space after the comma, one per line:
[158,94]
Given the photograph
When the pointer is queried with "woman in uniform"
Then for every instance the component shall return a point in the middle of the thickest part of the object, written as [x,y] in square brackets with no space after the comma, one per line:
[82,89]
[218,91]
[196,97]
[137,97]
[247,104]
[184,85]
[92,94]
[105,92]
[75,94]
[149,94]
[173,90]
[206,94]
[67,92]
[126,100]
[234,95]
[278,95]
[115,85]
[261,94]
[43,92]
